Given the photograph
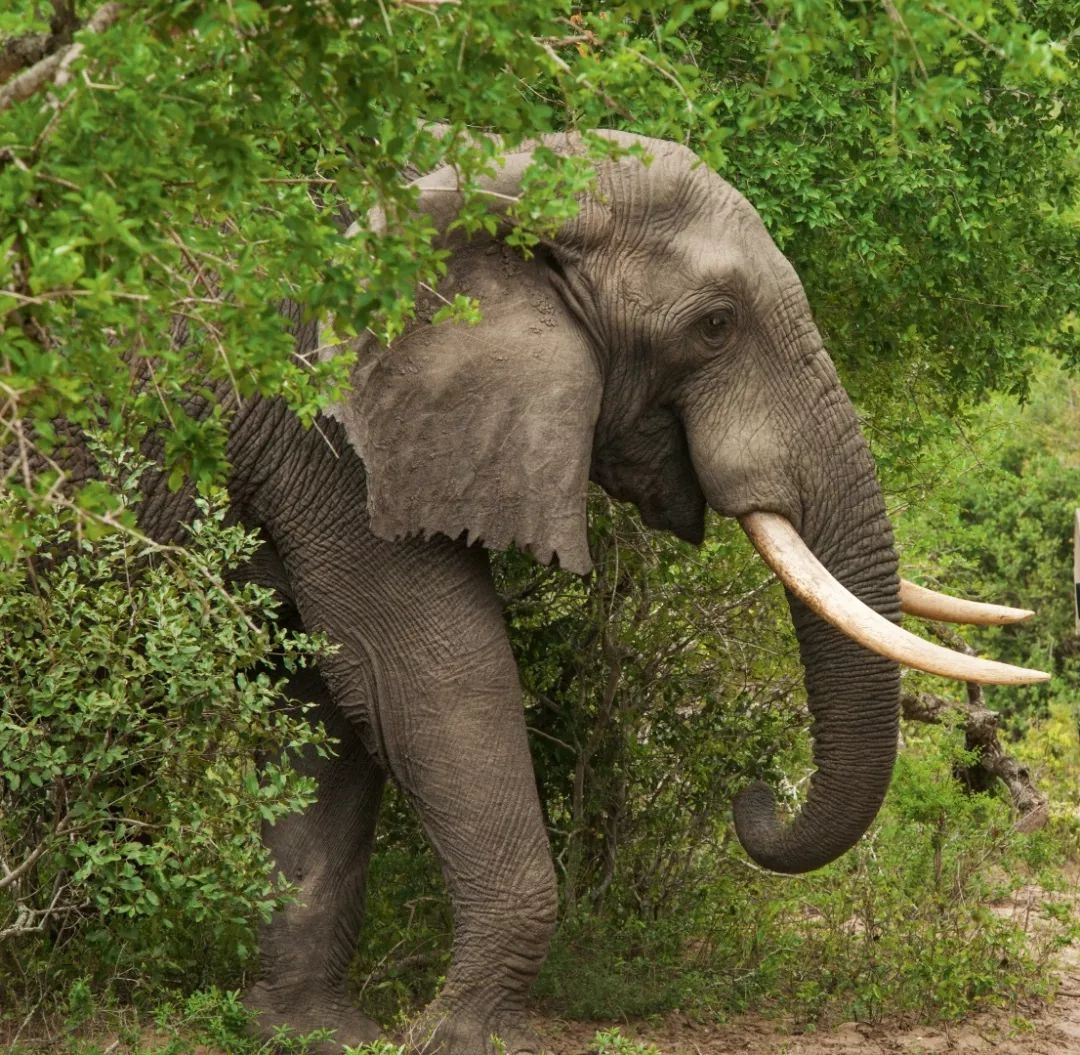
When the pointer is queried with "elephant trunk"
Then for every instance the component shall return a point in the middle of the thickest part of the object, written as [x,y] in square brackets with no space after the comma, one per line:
[853,694]
[853,698]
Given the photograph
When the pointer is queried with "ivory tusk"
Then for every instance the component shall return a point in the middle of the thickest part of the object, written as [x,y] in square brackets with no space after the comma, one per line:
[929,604]
[805,576]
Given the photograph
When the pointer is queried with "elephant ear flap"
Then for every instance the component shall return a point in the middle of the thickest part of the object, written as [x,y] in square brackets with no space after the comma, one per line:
[482,431]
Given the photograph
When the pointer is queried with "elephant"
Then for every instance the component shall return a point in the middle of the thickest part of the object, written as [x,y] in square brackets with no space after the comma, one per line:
[660,345]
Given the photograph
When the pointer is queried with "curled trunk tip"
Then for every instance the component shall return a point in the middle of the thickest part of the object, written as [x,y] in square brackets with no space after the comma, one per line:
[772,844]
[759,829]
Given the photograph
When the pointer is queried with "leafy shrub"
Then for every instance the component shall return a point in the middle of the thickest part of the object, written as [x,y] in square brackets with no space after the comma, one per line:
[137,686]
[206,1020]
[914,920]
[996,522]
[1051,750]
[408,930]
[612,1042]
[653,690]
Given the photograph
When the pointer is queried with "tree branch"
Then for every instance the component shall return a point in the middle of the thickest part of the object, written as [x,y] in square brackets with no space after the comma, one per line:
[54,67]
[981,735]
[16,53]
[11,876]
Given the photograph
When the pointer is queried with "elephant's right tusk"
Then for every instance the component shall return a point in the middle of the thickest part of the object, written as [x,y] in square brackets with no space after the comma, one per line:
[805,576]
[929,604]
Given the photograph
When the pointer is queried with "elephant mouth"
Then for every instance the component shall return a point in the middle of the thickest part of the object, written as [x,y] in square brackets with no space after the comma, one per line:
[806,577]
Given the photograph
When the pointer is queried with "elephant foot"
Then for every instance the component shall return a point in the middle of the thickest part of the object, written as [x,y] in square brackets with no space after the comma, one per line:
[304,1012]
[443,1029]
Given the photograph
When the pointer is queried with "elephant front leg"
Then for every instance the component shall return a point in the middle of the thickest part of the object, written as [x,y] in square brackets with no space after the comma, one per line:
[424,669]
[455,740]
[306,948]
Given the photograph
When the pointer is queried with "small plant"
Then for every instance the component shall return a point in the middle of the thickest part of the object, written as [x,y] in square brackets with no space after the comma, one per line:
[612,1042]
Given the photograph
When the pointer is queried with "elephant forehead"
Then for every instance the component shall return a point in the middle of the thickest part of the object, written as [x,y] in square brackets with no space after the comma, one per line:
[723,253]
[666,194]
[668,188]
[672,215]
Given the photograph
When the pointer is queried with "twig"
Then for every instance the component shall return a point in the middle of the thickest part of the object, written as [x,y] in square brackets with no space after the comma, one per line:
[547,736]
[895,16]
[980,729]
[55,67]
[989,45]
[13,875]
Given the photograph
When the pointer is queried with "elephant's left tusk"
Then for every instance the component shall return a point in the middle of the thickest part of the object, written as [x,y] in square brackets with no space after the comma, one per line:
[806,577]
[929,604]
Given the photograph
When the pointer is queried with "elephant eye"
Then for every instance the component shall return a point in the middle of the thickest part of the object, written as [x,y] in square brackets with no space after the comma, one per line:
[715,327]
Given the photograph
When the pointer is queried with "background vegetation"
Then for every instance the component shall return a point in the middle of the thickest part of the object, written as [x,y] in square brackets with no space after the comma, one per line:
[918,163]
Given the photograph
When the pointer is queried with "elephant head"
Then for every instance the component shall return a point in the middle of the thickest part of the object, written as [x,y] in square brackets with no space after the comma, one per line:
[662,346]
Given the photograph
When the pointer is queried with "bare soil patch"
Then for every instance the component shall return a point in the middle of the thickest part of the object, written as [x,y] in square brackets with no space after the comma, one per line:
[1041,1030]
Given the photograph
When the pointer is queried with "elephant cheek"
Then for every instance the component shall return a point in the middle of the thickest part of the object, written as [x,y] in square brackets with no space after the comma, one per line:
[739,477]
[683,516]
[661,482]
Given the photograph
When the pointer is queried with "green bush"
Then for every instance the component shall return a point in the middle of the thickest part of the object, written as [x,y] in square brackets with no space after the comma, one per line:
[654,691]
[992,517]
[612,1042]
[408,930]
[137,687]
[914,920]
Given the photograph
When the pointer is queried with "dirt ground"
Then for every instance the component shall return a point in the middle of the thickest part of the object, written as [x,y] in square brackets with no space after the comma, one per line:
[1051,1028]
[1038,1029]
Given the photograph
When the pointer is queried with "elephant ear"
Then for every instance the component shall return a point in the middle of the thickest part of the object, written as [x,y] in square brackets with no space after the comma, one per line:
[481,431]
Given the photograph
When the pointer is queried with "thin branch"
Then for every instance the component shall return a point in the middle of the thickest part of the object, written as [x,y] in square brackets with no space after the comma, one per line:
[25,917]
[55,68]
[898,19]
[547,736]
[981,735]
[12,876]
[978,37]
[211,290]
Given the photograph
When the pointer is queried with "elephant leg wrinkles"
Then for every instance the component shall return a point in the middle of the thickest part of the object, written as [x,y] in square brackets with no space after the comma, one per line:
[425,674]
[305,949]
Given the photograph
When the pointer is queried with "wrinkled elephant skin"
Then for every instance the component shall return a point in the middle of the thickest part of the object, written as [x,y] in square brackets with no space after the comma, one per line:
[659,345]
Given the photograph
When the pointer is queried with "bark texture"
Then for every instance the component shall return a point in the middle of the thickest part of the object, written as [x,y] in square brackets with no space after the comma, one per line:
[54,67]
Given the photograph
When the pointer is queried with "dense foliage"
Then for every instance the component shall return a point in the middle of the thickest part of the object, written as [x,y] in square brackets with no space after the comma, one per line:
[919,164]
[998,521]
[137,687]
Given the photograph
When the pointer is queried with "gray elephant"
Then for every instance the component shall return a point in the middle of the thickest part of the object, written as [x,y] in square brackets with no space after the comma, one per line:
[661,346]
